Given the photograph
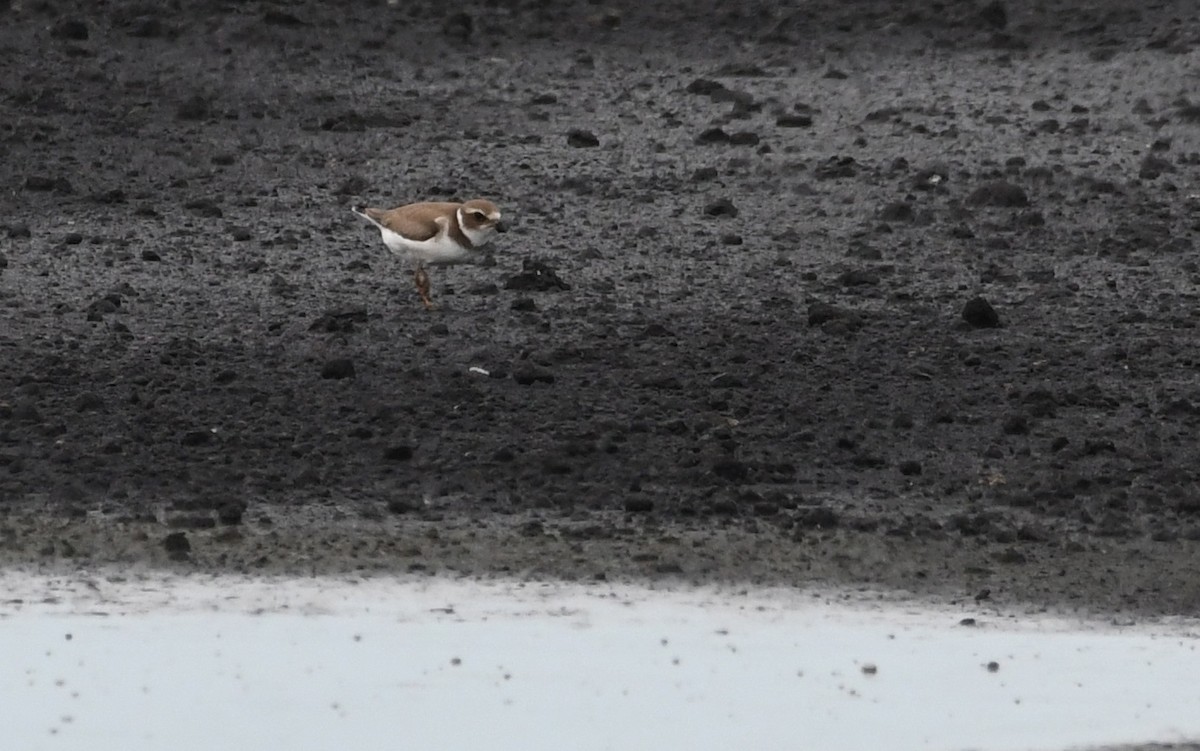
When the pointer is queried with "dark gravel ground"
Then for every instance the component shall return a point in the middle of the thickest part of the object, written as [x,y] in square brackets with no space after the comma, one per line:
[869,293]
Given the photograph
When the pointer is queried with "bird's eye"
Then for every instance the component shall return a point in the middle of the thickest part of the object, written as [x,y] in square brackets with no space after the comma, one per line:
[481,216]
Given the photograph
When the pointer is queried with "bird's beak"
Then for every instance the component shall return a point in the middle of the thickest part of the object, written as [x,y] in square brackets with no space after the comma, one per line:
[501,227]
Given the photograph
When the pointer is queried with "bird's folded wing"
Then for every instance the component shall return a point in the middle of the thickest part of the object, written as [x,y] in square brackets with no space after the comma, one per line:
[413,225]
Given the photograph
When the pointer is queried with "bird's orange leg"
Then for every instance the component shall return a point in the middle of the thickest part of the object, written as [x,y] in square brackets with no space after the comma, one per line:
[421,277]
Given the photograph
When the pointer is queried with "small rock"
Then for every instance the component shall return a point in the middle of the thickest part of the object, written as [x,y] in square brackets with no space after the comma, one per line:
[998,193]
[70,28]
[704,174]
[524,304]
[527,373]
[459,26]
[194,438]
[980,314]
[72,238]
[1016,425]
[338,368]
[731,470]
[639,505]
[727,381]
[1153,166]
[87,401]
[794,121]
[195,107]
[400,453]
[870,669]
[712,136]
[354,185]
[910,468]
[45,183]
[536,276]
[177,546]
[582,139]
[722,207]
[19,231]
[230,512]
[994,14]
[993,666]
[744,138]
[150,255]
[897,211]
[858,278]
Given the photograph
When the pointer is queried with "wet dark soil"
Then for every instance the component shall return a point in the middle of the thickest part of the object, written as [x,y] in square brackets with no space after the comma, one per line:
[868,293]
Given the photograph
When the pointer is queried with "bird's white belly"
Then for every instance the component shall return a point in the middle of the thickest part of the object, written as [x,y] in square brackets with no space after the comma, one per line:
[434,251]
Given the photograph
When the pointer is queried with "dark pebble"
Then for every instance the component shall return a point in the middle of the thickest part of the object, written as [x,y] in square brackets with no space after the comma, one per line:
[712,136]
[339,368]
[721,207]
[794,121]
[230,512]
[582,139]
[639,505]
[998,193]
[70,28]
[527,373]
[196,438]
[150,255]
[177,546]
[731,470]
[524,304]
[980,314]
[400,453]
[910,468]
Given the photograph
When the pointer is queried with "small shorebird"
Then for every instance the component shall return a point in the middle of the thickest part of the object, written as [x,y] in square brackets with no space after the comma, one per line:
[435,234]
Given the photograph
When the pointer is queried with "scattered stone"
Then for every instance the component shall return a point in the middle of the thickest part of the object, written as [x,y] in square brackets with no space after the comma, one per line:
[1016,424]
[994,14]
[528,373]
[731,470]
[858,278]
[343,321]
[980,314]
[1154,166]
[722,207]
[712,136]
[816,517]
[195,107]
[836,167]
[835,74]
[194,438]
[730,238]
[88,401]
[744,138]
[993,666]
[897,211]
[459,26]
[998,193]
[19,231]
[910,468]
[70,28]
[399,453]
[639,505]
[355,185]
[727,381]
[536,276]
[870,669]
[72,238]
[150,255]
[204,207]
[794,121]
[43,183]
[338,368]
[177,546]
[582,139]
[704,174]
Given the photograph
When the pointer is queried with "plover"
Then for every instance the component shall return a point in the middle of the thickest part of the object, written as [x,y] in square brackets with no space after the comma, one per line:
[435,234]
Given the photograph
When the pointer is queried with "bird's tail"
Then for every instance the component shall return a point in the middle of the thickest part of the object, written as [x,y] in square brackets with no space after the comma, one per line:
[365,213]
